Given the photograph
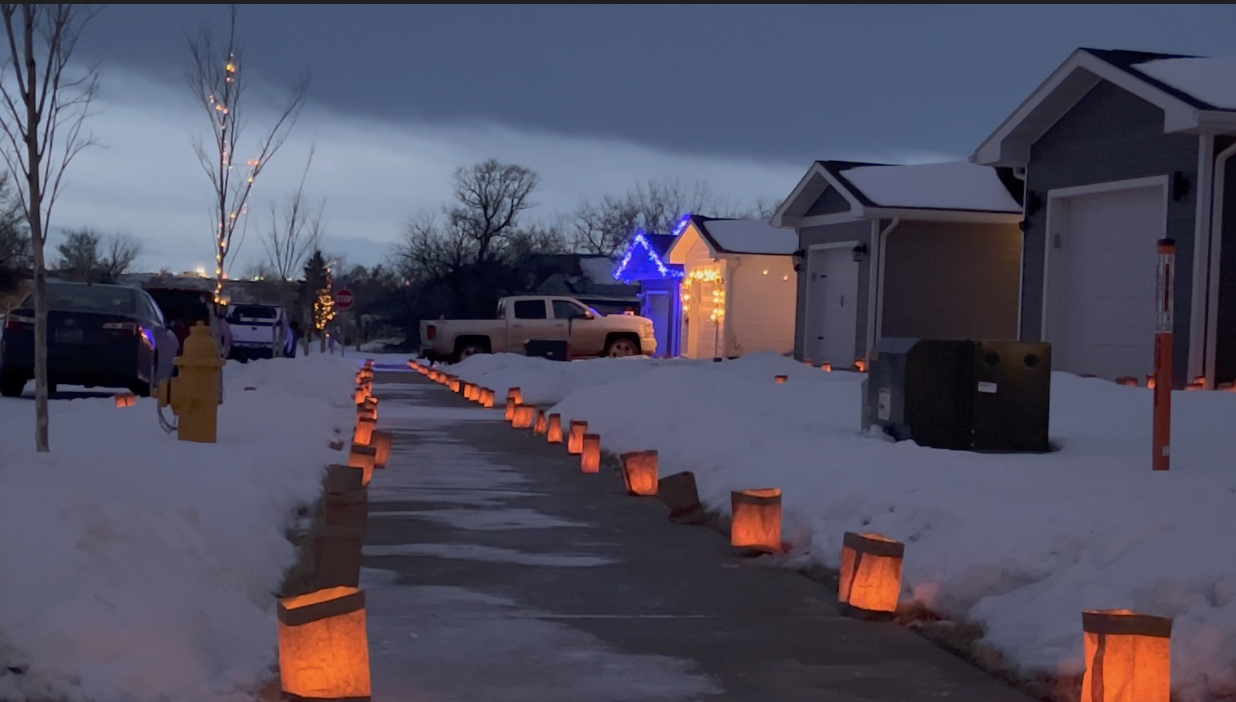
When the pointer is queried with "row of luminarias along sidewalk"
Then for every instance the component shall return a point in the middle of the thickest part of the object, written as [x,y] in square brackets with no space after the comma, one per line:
[323,637]
[323,645]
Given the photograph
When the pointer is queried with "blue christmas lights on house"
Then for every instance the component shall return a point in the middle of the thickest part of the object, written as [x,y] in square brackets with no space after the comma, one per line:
[644,262]
[636,266]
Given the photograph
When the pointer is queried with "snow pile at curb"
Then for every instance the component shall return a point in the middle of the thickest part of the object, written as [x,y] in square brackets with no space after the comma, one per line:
[137,567]
[1020,543]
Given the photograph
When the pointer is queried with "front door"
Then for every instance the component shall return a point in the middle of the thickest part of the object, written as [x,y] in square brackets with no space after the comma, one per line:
[832,306]
[659,307]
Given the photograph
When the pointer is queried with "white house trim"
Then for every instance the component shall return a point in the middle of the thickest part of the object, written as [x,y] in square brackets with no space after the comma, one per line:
[1053,196]
[877,272]
[1203,242]
[779,218]
[1010,144]
[1219,185]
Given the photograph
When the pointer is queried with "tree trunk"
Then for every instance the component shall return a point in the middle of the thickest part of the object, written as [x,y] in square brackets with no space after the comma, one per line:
[41,443]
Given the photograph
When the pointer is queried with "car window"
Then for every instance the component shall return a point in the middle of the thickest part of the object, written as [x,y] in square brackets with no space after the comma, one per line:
[153,311]
[103,299]
[565,309]
[530,309]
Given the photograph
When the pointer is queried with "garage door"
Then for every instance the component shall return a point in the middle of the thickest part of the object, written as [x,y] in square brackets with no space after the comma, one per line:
[1101,281]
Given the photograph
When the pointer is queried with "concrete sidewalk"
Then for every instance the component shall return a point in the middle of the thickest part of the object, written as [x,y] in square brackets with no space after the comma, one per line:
[495,570]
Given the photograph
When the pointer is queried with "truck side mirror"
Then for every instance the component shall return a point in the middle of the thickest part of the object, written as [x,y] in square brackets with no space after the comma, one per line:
[589,315]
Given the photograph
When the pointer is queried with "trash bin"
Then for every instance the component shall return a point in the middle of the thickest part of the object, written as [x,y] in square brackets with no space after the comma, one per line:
[962,395]
[544,348]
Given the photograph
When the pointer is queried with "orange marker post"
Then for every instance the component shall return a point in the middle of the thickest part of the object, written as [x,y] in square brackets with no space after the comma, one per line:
[1165,301]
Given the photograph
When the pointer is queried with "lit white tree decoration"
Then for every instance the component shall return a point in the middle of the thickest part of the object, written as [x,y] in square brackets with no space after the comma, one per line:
[217,83]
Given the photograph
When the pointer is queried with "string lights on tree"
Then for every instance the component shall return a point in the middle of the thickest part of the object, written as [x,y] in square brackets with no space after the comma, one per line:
[324,304]
[217,84]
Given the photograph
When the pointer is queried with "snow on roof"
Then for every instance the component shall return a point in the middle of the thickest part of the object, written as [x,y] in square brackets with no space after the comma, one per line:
[1211,80]
[955,185]
[751,236]
[597,269]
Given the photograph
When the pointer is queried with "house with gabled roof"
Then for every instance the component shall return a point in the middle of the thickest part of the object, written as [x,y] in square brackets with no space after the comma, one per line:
[924,251]
[738,288]
[1118,150]
[644,263]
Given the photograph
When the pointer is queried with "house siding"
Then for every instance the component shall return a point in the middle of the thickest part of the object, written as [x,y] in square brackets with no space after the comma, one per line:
[829,202]
[1111,135]
[760,309]
[947,280]
[859,230]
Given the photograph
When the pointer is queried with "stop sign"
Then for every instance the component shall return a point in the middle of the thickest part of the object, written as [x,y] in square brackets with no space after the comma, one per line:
[344,299]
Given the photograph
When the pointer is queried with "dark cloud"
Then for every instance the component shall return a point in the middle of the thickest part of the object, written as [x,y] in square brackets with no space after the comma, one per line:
[783,83]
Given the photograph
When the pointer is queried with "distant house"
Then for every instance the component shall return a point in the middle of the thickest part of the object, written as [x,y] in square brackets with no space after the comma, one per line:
[1120,149]
[590,280]
[927,251]
[738,287]
[644,262]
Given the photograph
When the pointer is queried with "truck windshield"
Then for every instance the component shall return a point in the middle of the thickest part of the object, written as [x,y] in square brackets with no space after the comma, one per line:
[253,314]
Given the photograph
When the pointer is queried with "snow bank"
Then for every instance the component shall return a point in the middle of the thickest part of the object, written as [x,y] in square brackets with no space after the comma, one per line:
[137,567]
[1020,543]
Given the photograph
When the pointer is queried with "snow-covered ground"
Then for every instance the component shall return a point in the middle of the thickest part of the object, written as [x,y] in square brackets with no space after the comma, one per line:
[1020,543]
[136,567]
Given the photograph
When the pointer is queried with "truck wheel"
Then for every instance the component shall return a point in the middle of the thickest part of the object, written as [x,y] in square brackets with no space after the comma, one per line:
[469,350]
[621,347]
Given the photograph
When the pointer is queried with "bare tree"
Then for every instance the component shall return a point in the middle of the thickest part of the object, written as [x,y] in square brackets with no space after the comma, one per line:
[605,226]
[294,232]
[46,103]
[122,253]
[87,256]
[259,271]
[490,196]
[219,87]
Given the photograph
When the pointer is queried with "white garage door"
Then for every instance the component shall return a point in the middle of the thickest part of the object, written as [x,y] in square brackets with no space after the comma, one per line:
[1101,281]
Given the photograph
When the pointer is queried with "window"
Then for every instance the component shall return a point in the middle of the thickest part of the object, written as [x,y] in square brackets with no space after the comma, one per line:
[530,309]
[565,309]
[502,309]
[105,299]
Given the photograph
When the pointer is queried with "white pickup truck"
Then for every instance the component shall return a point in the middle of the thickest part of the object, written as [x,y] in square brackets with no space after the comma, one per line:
[539,318]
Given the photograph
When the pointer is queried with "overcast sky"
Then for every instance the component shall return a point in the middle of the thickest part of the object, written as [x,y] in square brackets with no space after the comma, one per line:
[592,98]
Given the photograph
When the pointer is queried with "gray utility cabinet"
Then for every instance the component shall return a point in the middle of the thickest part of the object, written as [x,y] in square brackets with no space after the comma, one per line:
[962,394]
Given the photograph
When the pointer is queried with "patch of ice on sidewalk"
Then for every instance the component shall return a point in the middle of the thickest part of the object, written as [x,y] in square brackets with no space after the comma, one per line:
[486,519]
[450,643]
[476,552]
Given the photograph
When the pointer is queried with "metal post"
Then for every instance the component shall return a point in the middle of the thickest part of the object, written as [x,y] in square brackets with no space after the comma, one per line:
[1165,303]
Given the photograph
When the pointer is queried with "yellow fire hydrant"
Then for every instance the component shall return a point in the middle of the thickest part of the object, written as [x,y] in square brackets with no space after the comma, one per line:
[194,394]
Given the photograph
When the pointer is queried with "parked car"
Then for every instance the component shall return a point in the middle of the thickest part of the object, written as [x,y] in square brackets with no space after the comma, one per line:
[258,329]
[184,307]
[541,318]
[97,335]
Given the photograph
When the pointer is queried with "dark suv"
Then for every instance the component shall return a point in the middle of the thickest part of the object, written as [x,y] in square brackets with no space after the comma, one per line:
[185,307]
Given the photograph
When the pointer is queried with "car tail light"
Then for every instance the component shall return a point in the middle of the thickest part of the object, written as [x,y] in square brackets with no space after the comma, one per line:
[14,321]
[122,327]
[432,332]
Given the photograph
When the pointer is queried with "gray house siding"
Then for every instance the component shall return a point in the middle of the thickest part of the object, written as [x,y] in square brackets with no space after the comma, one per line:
[1110,135]
[829,202]
[952,280]
[849,231]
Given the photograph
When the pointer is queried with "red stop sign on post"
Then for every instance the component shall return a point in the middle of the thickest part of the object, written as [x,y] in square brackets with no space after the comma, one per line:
[344,299]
